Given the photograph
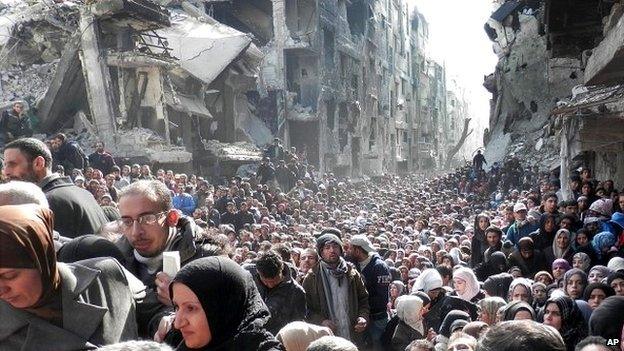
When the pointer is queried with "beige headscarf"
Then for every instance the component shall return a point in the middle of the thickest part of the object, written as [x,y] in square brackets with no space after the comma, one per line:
[408,310]
[297,336]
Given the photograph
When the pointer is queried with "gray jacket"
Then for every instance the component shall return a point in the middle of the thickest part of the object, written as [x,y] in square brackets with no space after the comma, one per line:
[98,309]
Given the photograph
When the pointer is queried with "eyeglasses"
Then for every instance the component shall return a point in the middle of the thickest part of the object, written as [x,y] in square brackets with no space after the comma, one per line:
[146,219]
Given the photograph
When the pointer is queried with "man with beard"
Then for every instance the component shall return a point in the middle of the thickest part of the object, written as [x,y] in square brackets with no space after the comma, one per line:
[377,277]
[101,159]
[335,293]
[150,226]
[75,209]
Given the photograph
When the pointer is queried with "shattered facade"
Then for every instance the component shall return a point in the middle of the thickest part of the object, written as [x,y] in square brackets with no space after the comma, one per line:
[554,99]
[349,82]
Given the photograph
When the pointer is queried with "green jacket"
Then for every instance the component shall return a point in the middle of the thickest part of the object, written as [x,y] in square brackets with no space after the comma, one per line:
[318,311]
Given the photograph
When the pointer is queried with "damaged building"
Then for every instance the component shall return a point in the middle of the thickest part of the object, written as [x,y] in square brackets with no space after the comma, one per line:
[191,84]
[555,94]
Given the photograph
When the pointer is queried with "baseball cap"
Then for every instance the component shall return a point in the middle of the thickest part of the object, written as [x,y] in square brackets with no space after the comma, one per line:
[519,207]
[363,242]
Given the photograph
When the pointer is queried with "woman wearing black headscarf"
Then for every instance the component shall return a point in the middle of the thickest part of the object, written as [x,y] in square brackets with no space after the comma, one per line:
[563,314]
[495,265]
[545,235]
[595,293]
[47,305]
[528,258]
[219,308]
[479,242]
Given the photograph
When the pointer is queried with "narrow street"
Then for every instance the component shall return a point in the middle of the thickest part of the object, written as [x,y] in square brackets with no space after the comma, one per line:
[292,175]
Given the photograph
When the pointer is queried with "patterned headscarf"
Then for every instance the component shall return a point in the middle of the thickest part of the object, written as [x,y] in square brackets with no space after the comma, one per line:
[585,260]
[602,241]
[573,325]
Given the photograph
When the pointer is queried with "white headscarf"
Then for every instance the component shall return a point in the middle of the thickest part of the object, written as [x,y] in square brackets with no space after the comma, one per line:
[559,253]
[408,310]
[472,283]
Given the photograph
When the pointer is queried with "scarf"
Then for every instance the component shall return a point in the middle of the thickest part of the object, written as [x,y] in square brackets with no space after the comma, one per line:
[557,251]
[236,318]
[585,261]
[26,242]
[339,272]
[408,310]
[573,325]
[154,263]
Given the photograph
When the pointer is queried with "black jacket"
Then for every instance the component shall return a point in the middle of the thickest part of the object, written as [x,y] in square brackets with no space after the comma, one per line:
[70,156]
[13,127]
[441,306]
[286,302]
[104,162]
[75,210]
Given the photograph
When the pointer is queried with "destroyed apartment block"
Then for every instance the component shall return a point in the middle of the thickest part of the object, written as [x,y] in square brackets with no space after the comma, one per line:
[557,86]
[349,83]
[158,82]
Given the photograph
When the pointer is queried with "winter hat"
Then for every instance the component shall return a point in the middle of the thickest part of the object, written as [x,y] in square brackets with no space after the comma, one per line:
[328,238]
[430,279]
[616,264]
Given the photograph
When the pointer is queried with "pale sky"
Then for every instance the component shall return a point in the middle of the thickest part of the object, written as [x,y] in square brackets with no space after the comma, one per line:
[457,39]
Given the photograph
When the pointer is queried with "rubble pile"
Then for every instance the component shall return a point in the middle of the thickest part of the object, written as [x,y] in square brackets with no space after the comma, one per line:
[30,83]
[239,151]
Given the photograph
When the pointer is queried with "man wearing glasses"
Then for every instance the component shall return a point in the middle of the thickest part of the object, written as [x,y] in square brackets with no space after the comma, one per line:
[150,226]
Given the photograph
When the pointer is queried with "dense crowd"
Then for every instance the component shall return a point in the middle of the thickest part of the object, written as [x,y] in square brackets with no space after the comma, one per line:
[290,259]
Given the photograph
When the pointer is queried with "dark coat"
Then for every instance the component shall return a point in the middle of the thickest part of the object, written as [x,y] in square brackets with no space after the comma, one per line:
[150,310]
[441,306]
[377,279]
[75,210]
[98,309]
[318,311]
[14,127]
[70,156]
[104,162]
[286,302]
[531,266]
[403,336]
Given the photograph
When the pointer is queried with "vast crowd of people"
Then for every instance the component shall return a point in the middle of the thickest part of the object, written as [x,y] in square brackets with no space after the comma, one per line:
[96,254]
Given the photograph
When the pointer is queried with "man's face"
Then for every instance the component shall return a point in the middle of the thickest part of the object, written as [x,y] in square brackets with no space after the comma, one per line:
[99,147]
[136,170]
[17,167]
[492,239]
[56,144]
[271,282]
[520,215]
[330,253]
[20,287]
[621,202]
[147,239]
[550,205]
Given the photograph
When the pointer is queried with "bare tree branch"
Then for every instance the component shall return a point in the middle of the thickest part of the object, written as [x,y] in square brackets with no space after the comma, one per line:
[460,143]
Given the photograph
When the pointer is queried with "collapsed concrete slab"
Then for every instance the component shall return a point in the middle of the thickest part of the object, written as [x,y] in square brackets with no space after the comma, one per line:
[195,43]
[606,64]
